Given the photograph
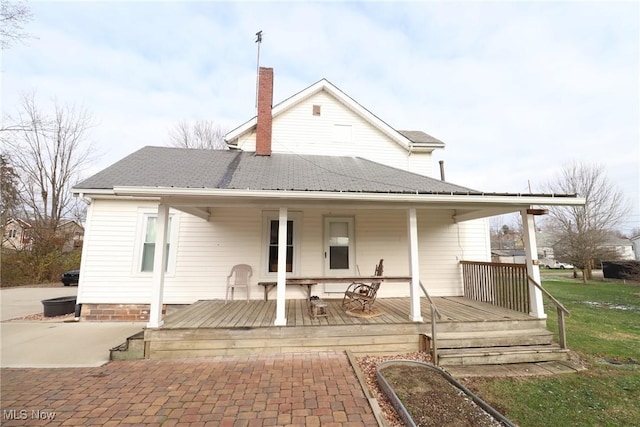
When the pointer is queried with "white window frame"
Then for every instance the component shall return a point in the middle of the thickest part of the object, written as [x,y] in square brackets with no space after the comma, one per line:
[267,217]
[172,239]
[352,243]
[342,133]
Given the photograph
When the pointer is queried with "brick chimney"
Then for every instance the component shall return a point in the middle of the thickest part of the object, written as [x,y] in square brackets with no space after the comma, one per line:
[265,101]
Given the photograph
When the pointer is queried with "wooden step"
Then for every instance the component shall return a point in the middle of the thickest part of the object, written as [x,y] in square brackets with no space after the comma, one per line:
[501,355]
[502,325]
[203,342]
[132,348]
[496,338]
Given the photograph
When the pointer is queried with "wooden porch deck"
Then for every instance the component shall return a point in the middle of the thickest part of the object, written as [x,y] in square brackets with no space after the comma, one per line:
[261,314]
[213,328]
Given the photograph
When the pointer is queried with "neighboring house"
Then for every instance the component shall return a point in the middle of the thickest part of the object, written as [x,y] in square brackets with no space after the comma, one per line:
[613,248]
[17,235]
[545,242]
[316,185]
[635,241]
[72,233]
[619,249]
[512,256]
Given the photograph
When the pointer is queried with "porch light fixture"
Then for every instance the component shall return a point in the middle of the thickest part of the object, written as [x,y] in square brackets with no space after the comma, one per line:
[537,211]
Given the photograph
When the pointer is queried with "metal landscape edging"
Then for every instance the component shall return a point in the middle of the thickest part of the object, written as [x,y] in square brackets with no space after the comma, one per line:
[402,411]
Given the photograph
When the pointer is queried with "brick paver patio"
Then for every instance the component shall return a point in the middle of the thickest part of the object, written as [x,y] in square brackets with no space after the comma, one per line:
[317,389]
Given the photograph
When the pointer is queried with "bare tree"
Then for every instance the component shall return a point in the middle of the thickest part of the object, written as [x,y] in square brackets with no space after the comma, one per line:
[506,232]
[49,154]
[582,231]
[13,16]
[199,134]
[10,189]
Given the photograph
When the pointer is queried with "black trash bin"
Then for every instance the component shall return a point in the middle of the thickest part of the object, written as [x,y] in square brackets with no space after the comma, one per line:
[59,306]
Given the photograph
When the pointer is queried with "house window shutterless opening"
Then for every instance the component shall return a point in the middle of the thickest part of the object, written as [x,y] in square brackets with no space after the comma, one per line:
[274,229]
[149,245]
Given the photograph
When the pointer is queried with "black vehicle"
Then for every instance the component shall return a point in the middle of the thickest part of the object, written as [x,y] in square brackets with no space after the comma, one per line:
[70,277]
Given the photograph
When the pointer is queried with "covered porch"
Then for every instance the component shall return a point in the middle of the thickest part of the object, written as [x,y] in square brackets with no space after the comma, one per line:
[490,324]
[424,245]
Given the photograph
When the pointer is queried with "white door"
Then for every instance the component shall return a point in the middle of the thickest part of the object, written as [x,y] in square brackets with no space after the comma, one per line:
[339,250]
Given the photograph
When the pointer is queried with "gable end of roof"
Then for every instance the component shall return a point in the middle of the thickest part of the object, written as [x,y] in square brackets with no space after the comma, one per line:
[406,139]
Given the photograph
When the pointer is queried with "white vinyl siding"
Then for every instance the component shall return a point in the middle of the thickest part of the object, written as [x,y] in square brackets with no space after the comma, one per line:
[205,251]
[109,257]
[342,134]
[297,130]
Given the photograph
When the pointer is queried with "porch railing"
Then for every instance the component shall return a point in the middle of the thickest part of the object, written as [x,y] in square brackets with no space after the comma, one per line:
[434,312]
[560,309]
[501,284]
[507,285]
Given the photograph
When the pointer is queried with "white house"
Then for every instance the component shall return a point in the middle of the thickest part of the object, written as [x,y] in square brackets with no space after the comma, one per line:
[635,242]
[619,248]
[315,186]
[17,235]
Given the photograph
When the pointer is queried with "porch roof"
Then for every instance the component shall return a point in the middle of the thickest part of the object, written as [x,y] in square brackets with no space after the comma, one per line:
[197,174]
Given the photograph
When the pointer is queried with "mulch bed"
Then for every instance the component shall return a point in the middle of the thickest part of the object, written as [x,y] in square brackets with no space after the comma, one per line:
[41,317]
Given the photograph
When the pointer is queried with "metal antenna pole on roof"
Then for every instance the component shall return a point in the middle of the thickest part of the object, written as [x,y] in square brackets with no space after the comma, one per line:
[259,41]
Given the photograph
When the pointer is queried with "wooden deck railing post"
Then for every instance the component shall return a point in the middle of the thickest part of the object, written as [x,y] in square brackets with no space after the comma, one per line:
[434,343]
[435,314]
[562,338]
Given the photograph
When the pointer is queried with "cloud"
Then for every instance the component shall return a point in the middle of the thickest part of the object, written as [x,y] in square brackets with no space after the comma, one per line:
[514,89]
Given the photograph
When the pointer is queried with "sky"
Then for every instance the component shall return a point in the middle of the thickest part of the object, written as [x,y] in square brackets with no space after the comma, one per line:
[516,90]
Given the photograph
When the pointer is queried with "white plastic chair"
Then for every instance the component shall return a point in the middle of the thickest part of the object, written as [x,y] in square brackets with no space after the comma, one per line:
[238,278]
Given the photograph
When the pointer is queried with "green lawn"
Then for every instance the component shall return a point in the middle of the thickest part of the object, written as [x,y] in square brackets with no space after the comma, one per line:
[604,330]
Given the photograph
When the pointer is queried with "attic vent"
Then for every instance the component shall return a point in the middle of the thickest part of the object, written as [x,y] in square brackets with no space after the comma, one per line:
[316,110]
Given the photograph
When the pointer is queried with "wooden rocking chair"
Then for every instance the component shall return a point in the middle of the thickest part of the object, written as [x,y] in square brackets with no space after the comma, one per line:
[361,295]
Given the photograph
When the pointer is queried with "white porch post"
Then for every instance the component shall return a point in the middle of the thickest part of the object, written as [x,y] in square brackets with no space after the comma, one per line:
[157,281]
[414,265]
[281,288]
[533,270]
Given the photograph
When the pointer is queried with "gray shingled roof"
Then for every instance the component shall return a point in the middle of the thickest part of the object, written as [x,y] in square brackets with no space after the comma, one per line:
[418,136]
[216,169]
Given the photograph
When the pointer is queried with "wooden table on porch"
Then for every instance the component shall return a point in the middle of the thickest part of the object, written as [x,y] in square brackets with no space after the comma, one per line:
[308,282]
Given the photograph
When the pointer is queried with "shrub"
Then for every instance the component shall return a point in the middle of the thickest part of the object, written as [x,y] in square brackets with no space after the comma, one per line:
[36,266]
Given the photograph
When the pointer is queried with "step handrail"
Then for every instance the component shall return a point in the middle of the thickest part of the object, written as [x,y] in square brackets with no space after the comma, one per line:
[551,297]
[430,300]
[434,312]
[561,310]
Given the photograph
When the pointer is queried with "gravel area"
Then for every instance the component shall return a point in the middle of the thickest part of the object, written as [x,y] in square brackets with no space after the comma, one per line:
[40,317]
[41,285]
[438,402]
[368,367]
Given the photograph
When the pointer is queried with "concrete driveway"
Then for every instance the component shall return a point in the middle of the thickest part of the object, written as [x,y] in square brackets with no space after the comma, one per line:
[54,343]
[23,301]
